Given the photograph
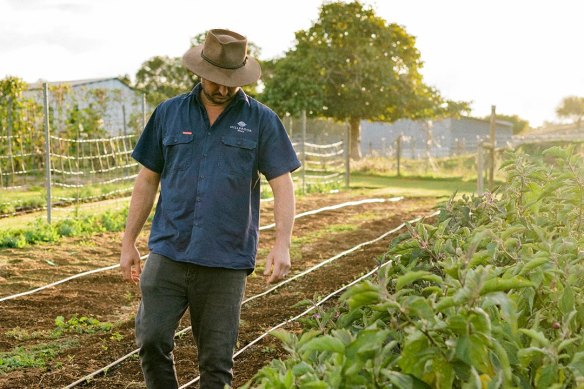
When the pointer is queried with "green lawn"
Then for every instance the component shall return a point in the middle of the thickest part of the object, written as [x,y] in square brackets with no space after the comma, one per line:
[411,186]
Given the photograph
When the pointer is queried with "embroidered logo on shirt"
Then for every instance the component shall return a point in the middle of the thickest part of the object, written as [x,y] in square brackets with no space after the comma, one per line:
[187,133]
[240,127]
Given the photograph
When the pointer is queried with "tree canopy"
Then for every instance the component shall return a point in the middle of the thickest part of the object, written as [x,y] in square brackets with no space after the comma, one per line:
[351,65]
[519,125]
[571,107]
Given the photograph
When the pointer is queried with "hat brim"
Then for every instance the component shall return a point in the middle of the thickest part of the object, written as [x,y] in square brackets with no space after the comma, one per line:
[247,74]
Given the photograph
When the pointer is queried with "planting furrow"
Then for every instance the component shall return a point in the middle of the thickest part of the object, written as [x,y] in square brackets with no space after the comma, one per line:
[262,228]
[105,297]
[296,293]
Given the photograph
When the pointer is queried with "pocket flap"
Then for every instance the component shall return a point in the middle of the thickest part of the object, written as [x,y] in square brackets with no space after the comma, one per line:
[239,142]
[177,138]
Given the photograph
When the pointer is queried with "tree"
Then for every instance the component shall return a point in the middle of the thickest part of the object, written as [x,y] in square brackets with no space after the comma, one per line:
[571,107]
[519,125]
[162,77]
[353,65]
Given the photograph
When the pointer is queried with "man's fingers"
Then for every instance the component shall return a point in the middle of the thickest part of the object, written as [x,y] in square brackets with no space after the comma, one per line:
[269,262]
[131,271]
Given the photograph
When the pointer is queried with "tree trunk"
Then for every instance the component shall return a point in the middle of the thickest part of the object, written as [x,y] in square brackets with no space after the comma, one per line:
[355,124]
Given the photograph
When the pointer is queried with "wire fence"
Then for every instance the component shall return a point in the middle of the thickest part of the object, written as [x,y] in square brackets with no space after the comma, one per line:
[81,169]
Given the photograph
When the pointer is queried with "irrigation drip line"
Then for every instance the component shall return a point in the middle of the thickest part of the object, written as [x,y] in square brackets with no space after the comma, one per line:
[58,282]
[282,324]
[333,207]
[184,330]
[328,208]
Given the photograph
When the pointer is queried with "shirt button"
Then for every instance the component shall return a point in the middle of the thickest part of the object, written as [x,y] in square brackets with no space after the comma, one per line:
[202,178]
[204,155]
[208,132]
[198,199]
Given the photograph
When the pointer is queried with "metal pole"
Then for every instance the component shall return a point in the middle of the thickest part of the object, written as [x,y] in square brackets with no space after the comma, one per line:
[143,111]
[347,155]
[124,119]
[47,150]
[492,155]
[304,151]
[398,150]
[10,121]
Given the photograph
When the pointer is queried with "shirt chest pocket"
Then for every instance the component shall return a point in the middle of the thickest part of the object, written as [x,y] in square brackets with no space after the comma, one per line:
[238,155]
[178,151]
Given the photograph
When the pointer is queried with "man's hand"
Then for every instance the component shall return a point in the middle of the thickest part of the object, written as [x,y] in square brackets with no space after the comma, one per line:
[277,264]
[130,263]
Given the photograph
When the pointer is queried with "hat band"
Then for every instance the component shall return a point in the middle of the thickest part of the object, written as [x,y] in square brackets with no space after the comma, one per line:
[223,66]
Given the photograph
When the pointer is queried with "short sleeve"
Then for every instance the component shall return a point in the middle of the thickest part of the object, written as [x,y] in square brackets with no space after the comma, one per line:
[276,154]
[148,150]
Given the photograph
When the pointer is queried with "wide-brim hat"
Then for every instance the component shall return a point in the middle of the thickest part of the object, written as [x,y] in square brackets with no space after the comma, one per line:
[223,59]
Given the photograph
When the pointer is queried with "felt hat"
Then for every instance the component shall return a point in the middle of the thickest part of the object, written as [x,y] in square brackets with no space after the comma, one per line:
[223,59]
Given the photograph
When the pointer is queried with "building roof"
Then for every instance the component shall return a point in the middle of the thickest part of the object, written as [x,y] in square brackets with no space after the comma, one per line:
[77,83]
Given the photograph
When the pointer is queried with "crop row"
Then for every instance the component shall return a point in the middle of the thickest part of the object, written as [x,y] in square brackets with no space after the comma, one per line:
[491,296]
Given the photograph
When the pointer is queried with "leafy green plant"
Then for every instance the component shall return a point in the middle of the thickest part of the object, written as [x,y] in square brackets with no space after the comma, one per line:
[490,295]
[40,231]
[79,325]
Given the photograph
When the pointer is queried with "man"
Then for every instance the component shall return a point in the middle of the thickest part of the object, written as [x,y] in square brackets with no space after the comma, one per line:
[206,150]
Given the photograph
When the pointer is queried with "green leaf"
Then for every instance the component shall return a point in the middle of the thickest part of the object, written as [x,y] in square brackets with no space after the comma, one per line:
[413,276]
[534,263]
[443,372]
[401,381]
[285,337]
[324,343]
[577,365]
[419,307]
[537,336]
[474,381]
[504,284]
[545,376]
[416,351]
[528,355]
[364,293]
[567,300]
[301,368]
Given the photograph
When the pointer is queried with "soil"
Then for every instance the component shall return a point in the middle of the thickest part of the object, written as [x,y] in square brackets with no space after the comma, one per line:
[28,322]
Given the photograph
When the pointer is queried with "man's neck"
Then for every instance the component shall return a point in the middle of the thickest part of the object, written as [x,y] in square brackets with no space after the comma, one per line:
[213,109]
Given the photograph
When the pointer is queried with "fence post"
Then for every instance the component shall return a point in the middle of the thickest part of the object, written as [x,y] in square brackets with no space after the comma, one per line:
[492,155]
[47,150]
[398,151]
[480,169]
[304,151]
[347,155]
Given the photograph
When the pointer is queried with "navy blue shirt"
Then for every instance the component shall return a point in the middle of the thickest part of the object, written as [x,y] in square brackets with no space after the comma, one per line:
[208,208]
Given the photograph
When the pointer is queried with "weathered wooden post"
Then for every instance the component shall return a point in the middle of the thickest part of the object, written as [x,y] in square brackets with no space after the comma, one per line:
[398,152]
[347,155]
[493,143]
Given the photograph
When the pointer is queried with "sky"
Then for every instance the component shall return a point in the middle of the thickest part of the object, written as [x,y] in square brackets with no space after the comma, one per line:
[523,56]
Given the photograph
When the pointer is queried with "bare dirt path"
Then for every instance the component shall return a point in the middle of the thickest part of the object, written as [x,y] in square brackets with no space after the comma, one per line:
[29,322]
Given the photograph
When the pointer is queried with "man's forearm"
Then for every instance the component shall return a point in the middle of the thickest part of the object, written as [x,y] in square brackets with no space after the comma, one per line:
[143,196]
[284,208]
